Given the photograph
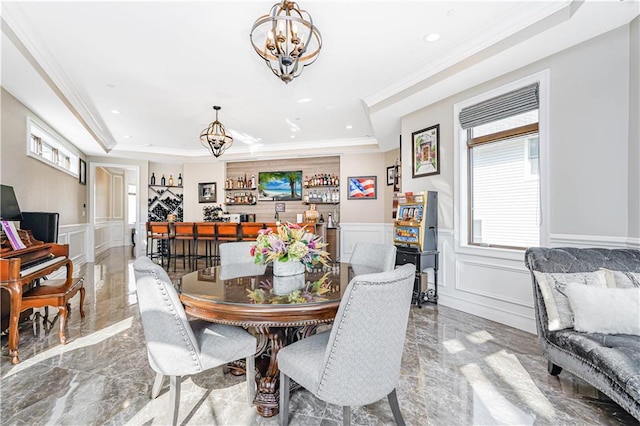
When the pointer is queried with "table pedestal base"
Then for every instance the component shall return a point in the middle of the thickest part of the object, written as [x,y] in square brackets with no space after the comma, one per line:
[270,341]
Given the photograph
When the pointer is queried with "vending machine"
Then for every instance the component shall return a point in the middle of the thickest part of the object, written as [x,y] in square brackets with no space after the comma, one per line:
[415,234]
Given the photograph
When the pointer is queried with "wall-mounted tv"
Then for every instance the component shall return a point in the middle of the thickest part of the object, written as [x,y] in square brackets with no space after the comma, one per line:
[9,208]
[280,186]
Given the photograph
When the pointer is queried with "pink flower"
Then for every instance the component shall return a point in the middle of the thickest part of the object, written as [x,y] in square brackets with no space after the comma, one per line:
[252,250]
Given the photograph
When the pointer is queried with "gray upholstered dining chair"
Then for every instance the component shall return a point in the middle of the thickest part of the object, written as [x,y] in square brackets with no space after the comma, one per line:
[357,362]
[177,347]
[233,253]
[377,257]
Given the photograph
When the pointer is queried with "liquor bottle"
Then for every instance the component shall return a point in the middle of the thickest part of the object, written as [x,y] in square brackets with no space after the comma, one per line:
[180,179]
[163,181]
[253,181]
[170,180]
[153,178]
[306,181]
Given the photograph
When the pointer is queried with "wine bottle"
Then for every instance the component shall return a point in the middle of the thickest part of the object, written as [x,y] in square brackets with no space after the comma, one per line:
[180,179]
[170,180]
[153,178]
[163,181]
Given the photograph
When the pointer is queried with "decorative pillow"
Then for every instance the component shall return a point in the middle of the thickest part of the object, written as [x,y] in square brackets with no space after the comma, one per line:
[622,279]
[552,286]
[605,310]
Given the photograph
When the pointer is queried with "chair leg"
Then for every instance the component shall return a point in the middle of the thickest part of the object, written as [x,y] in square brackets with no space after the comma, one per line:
[395,408]
[82,302]
[284,399]
[157,385]
[346,415]
[251,379]
[63,321]
[174,392]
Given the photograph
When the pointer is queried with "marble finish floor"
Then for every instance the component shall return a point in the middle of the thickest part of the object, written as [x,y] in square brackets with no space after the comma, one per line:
[457,369]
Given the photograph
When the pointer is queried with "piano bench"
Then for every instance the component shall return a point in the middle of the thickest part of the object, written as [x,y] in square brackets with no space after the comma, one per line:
[55,293]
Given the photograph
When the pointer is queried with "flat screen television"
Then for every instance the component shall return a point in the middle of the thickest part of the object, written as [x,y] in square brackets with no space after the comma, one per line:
[280,186]
[9,208]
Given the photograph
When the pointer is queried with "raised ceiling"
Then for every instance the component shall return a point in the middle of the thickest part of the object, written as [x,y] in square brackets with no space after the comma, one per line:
[163,65]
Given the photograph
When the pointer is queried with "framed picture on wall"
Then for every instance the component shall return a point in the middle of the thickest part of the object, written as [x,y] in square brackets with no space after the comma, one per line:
[82,172]
[207,192]
[390,175]
[280,186]
[425,152]
[363,188]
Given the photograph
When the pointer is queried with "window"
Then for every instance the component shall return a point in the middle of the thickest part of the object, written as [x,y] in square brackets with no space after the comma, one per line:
[502,149]
[51,150]
[131,204]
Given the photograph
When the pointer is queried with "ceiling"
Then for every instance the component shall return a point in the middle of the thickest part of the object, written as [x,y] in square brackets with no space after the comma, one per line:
[163,65]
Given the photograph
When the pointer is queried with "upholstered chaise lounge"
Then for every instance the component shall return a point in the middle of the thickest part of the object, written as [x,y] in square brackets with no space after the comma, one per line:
[607,359]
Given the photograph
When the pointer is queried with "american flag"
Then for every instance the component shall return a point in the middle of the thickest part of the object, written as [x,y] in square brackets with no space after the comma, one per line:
[362,187]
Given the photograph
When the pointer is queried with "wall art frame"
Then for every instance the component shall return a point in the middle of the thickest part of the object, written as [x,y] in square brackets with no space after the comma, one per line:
[207,192]
[82,172]
[362,187]
[425,152]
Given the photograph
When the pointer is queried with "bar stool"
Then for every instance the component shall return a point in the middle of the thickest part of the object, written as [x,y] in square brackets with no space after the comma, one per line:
[161,233]
[205,231]
[184,232]
[249,230]
[225,232]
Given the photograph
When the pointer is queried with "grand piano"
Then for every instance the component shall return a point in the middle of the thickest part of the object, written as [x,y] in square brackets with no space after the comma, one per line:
[21,270]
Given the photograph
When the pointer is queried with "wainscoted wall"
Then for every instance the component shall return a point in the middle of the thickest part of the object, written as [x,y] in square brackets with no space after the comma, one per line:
[487,286]
[108,234]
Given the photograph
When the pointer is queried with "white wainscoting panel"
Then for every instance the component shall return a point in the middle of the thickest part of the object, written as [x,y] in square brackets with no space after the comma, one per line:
[108,234]
[351,233]
[492,288]
[588,241]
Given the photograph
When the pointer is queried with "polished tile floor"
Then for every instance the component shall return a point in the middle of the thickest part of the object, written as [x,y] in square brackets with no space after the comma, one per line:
[457,369]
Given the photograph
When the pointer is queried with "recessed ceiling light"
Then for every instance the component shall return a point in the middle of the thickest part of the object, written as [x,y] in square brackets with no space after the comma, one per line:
[115,111]
[349,126]
[259,139]
[432,37]
[293,136]
[127,136]
[304,100]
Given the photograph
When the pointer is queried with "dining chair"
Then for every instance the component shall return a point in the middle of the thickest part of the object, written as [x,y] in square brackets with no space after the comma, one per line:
[236,253]
[357,362]
[378,257]
[226,232]
[177,347]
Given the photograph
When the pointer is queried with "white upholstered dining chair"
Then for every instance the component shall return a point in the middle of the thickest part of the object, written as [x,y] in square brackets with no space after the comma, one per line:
[177,347]
[376,257]
[357,362]
[234,253]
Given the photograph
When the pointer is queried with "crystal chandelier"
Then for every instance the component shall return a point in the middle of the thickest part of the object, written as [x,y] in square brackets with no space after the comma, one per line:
[214,137]
[286,39]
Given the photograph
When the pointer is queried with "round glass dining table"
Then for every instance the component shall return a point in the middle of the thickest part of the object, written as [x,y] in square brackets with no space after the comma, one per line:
[278,310]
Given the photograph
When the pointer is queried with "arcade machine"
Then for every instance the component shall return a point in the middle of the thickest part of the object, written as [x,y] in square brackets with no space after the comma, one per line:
[415,235]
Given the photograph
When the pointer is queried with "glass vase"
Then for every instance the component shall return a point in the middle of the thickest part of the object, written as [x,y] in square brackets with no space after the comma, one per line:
[285,269]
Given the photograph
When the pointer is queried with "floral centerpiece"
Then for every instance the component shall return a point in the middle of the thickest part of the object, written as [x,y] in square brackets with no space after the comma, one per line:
[292,244]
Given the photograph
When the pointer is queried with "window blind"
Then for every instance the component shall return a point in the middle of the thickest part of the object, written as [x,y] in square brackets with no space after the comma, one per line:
[507,105]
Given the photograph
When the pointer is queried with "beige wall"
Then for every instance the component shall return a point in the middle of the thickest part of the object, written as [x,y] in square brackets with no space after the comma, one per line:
[589,138]
[102,191]
[390,158]
[363,211]
[38,186]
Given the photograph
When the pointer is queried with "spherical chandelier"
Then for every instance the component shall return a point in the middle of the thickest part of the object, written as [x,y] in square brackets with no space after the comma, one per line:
[286,39]
[215,138]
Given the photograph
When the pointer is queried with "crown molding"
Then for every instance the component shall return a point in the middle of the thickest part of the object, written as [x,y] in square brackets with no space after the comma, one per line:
[35,51]
[479,48]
